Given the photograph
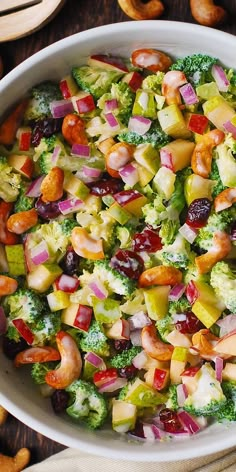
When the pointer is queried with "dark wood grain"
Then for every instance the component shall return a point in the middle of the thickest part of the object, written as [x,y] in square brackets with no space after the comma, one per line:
[75,16]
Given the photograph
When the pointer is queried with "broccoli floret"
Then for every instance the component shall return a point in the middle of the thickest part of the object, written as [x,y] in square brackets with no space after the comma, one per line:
[154,212]
[172,401]
[44,152]
[94,80]
[154,136]
[192,273]
[176,254]
[39,370]
[23,202]
[95,340]
[216,222]
[168,231]
[153,82]
[208,397]
[103,226]
[54,236]
[196,67]
[41,97]
[24,304]
[177,201]
[46,328]
[87,404]
[67,225]
[223,280]
[228,410]
[9,181]
[135,303]
[165,326]
[12,333]
[125,358]
[179,306]
[113,280]
[214,175]
[125,99]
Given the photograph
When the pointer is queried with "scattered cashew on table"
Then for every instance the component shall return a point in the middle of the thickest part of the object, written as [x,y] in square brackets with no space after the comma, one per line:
[204,12]
[20,460]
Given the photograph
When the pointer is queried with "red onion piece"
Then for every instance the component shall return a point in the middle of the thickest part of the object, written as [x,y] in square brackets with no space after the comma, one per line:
[135,337]
[188,422]
[92,172]
[70,205]
[3,321]
[188,233]
[140,360]
[81,150]
[148,432]
[99,290]
[55,155]
[191,292]
[34,189]
[95,360]
[139,320]
[176,292]
[182,394]
[188,93]
[111,120]
[129,174]
[219,365]
[111,105]
[230,127]
[227,325]
[138,124]
[220,77]
[67,283]
[166,159]
[113,385]
[61,108]
[40,253]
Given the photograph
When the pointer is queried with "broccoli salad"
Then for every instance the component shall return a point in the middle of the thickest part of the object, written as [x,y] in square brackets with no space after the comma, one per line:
[117,242]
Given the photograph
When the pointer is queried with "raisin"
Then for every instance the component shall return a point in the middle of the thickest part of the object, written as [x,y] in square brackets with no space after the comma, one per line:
[59,400]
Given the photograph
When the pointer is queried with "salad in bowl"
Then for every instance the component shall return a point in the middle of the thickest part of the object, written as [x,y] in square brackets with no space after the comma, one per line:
[118,228]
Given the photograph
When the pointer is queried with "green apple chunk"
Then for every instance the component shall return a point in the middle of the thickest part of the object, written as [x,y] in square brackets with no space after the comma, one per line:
[75,186]
[43,277]
[164,182]
[119,214]
[123,416]
[173,123]
[156,300]
[15,259]
[142,395]
[106,311]
[218,111]
[196,186]
[58,300]
[147,156]
[145,104]
[206,313]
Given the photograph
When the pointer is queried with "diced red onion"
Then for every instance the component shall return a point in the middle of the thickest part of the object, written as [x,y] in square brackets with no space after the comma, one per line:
[159,433]
[61,108]
[3,321]
[55,155]
[148,432]
[92,172]
[182,394]
[188,93]
[227,325]
[188,233]
[111,120]
[129,175]
[67,283]
[176,292]
[135,337]
[220,77]
[139,320]
[188,422]
[34,189]
[140,360]
[111,105]
[40,253]
[99,290]
[139,124]
[219,365]
[81,150]
[113,385]
[70,205]
[179,317]
[230,127]
[166,159]
[95,360]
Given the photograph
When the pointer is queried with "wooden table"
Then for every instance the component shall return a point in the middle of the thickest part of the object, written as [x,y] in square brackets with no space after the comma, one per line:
[76,15]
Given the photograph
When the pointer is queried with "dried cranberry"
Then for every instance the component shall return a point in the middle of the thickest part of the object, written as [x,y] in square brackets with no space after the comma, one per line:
[44,129]
[12,348]
[70,262]
[105,187]
[121,345]
[128,372]
[59,400]
[170,420]
[128,263]
[198,212]
[190,325]
[47,211]
[148,241]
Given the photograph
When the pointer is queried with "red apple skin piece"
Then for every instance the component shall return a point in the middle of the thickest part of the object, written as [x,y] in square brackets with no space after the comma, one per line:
[104,376]
[160,379]
[197,123]
[134,80]
[131,200]
[24,330]
[83,317]
[85,104]
[191,371]
[227,344]
[107,62]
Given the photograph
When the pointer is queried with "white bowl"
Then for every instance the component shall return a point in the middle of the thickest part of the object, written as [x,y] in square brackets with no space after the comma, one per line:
[17,392]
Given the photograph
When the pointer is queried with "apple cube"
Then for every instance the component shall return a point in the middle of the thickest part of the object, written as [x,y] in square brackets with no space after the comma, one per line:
[75,186]
[197,290]
[172,122]
[103,376]
[83,102]
[88,371]
[177,154]
[107,62]
[119,214]
[157,378]
[196,186]
[229,372]
[178,362]
[15,259]
[77,315]
[142,395]
[147,156]
[123,416]
[67,283]
[145,104]
[107,310]
[58,300]
[176,338]
[207,91]
[22,164]
[156,300]
[164,182]
[119,330]
[206,313]
[68,87]
[131,200]
[197,123]
[144,175]
[218,111]
[24,138]
[24,330]
[227,344]
[41,278]
[133,79]
[190,378]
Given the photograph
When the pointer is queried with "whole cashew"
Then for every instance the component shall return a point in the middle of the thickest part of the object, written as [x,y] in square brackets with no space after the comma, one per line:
[17,463]
[225,199]
[207,13]
[170,86]
[221,246]
[138,10]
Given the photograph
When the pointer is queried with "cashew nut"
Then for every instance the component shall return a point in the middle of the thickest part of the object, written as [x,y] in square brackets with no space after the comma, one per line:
[221,246]
[225,199]
[138,10]
[170,86]
[207,13]
[71,362]
[160,275]
[202,154]
[17,463]
[3,415]
[153,346]
[151,59]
